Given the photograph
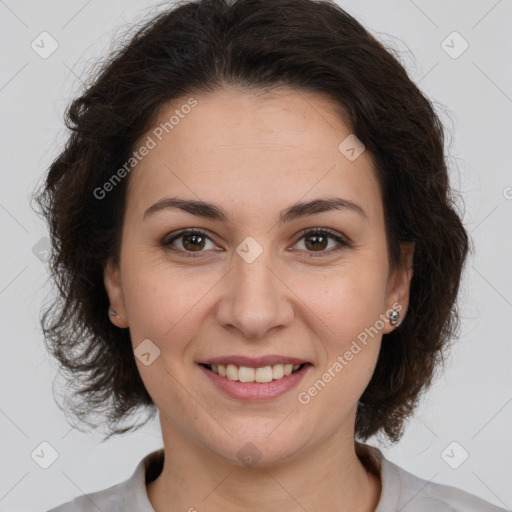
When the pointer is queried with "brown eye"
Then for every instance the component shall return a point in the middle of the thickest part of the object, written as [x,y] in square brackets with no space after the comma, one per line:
[193,241]
[190,242]
[317,241]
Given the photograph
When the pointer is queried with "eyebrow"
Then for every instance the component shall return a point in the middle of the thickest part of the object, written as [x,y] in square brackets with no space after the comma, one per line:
[295,211]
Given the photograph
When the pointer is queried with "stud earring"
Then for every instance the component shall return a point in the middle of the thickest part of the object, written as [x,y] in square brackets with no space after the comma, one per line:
[113,313]
[393,318]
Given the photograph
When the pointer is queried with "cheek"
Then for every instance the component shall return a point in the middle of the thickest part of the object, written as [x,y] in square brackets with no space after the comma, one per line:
[349,300]
[347,318]
[351,309]
[165,304]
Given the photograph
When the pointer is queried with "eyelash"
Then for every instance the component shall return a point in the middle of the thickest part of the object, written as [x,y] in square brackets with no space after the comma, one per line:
[314,231]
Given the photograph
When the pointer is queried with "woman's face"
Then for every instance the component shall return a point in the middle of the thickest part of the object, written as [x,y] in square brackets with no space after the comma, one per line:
[251,284]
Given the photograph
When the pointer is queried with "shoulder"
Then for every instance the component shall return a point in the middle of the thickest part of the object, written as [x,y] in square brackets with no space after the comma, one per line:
[421,495]
[106,500]
[127,496]
[404,491]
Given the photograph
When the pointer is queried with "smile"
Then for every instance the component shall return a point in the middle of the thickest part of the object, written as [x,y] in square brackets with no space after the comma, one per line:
[246,374]
[255,384]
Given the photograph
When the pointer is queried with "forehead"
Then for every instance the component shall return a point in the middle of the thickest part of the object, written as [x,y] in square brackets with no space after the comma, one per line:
[251,151]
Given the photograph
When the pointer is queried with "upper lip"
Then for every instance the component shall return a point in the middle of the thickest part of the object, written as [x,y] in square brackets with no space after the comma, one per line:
[254,362]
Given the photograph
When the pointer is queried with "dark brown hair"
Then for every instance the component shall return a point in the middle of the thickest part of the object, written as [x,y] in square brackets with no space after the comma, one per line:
[203,45]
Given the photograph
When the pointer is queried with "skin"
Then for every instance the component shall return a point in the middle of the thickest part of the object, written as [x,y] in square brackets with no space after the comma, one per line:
[254,155]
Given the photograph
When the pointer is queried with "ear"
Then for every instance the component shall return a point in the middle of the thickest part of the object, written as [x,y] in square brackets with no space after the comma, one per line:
[399,286]
[112,281]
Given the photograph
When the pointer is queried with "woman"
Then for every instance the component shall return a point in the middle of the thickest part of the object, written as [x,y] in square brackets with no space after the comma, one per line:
[254,235]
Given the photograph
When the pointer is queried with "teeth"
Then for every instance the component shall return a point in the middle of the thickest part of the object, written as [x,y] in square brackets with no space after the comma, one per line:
[231,372]
[264,374]
[278,371]
[245,374]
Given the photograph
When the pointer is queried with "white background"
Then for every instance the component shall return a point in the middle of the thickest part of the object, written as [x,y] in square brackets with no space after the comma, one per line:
[471,403]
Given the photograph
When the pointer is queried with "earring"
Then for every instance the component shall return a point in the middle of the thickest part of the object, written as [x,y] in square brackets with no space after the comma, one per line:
[393,318]
[111,312]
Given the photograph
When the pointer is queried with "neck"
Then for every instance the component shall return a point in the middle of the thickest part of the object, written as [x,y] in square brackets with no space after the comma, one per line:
[330,477]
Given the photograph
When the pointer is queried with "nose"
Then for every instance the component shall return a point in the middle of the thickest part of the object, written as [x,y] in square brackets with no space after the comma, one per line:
[256,300]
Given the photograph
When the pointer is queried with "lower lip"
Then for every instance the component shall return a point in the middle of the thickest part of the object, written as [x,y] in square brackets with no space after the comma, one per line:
[256,391]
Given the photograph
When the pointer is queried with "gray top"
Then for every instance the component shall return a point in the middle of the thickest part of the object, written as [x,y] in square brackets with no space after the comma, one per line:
[401,491]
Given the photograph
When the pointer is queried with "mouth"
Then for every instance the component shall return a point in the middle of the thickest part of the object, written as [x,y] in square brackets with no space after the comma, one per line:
[262,374]
[255,384]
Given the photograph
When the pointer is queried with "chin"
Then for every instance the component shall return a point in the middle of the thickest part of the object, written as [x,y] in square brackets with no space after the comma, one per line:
[258,449]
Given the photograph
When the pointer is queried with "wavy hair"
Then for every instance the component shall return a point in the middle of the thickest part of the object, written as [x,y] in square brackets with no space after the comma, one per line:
[203,45]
